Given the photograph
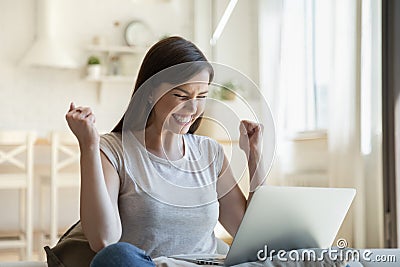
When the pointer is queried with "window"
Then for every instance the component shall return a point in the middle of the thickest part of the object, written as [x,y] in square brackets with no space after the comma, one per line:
[306,63]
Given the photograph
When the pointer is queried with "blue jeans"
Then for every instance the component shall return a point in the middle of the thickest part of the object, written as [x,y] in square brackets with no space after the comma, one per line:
[122,254]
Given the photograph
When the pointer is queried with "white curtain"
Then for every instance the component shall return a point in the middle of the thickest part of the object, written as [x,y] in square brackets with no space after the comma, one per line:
[345,164]
[354,145]
[354,117]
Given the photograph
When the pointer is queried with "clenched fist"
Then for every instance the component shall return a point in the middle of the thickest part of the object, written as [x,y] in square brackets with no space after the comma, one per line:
[81,122]
[250,140]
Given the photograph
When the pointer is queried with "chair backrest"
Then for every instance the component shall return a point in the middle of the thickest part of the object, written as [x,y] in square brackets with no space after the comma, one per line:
[65,154]
[16,152]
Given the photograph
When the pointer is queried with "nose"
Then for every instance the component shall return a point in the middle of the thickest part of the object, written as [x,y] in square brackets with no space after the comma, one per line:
[191,105]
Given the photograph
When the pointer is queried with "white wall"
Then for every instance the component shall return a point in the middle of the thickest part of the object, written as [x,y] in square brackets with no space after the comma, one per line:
[238,44]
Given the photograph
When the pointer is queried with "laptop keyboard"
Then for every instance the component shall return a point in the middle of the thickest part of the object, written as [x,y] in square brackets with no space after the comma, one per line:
[210,261]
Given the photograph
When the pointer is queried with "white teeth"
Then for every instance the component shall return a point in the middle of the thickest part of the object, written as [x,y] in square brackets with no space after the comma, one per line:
[182,119]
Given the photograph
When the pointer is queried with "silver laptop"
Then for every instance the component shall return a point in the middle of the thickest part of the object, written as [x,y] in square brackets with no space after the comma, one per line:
[284,218]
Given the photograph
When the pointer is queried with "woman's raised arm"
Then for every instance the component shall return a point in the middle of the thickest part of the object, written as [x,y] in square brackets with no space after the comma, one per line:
[232,202]
[99,214]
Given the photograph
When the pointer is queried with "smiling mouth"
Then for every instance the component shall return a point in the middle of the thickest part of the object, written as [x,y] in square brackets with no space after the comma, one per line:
[183,119]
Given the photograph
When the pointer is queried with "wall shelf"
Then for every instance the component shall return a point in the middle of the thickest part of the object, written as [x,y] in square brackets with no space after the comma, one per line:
[106,53]
[115,49]
[111,78]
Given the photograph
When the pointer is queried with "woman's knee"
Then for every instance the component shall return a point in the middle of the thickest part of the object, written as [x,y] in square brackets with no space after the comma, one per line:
[121,254]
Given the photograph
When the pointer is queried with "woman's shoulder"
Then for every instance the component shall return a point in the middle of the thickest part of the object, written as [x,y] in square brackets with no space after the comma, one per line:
[111,141]
[113,137]
[111,146]
[116,135]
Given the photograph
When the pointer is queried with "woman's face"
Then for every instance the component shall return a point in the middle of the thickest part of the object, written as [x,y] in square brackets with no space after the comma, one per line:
[177,109]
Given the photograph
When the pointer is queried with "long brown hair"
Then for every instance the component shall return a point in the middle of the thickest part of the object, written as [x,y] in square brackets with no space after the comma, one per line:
[167,53]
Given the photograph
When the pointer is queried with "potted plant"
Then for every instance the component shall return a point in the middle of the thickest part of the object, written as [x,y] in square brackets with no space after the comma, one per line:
[93,67]
[226,91]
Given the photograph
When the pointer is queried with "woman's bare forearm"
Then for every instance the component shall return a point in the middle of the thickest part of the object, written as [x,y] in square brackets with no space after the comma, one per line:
[250,141]
[99,217]
[257,172]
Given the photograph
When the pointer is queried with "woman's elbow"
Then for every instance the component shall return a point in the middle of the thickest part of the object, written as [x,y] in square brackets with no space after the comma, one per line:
[98,245]
[100,241]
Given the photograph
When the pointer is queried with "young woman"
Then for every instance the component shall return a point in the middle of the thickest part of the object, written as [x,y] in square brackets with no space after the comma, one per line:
[127,215]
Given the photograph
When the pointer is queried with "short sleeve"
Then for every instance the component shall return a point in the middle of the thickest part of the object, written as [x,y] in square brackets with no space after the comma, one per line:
[111,146]
[220,155]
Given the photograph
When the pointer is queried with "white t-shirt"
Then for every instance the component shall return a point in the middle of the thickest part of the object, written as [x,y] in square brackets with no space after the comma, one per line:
[167,207]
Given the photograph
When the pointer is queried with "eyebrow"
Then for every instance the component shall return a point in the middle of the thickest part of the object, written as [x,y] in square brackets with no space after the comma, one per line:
[186,92]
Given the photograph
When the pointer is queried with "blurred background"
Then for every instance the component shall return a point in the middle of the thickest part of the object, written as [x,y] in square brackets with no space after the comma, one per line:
[317,63]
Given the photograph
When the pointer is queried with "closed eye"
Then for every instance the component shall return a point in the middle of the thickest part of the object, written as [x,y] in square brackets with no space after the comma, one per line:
[187,98]
[180,96]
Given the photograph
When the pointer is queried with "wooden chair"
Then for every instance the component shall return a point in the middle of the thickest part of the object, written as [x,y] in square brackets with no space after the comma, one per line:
[64,173]
[16,173]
